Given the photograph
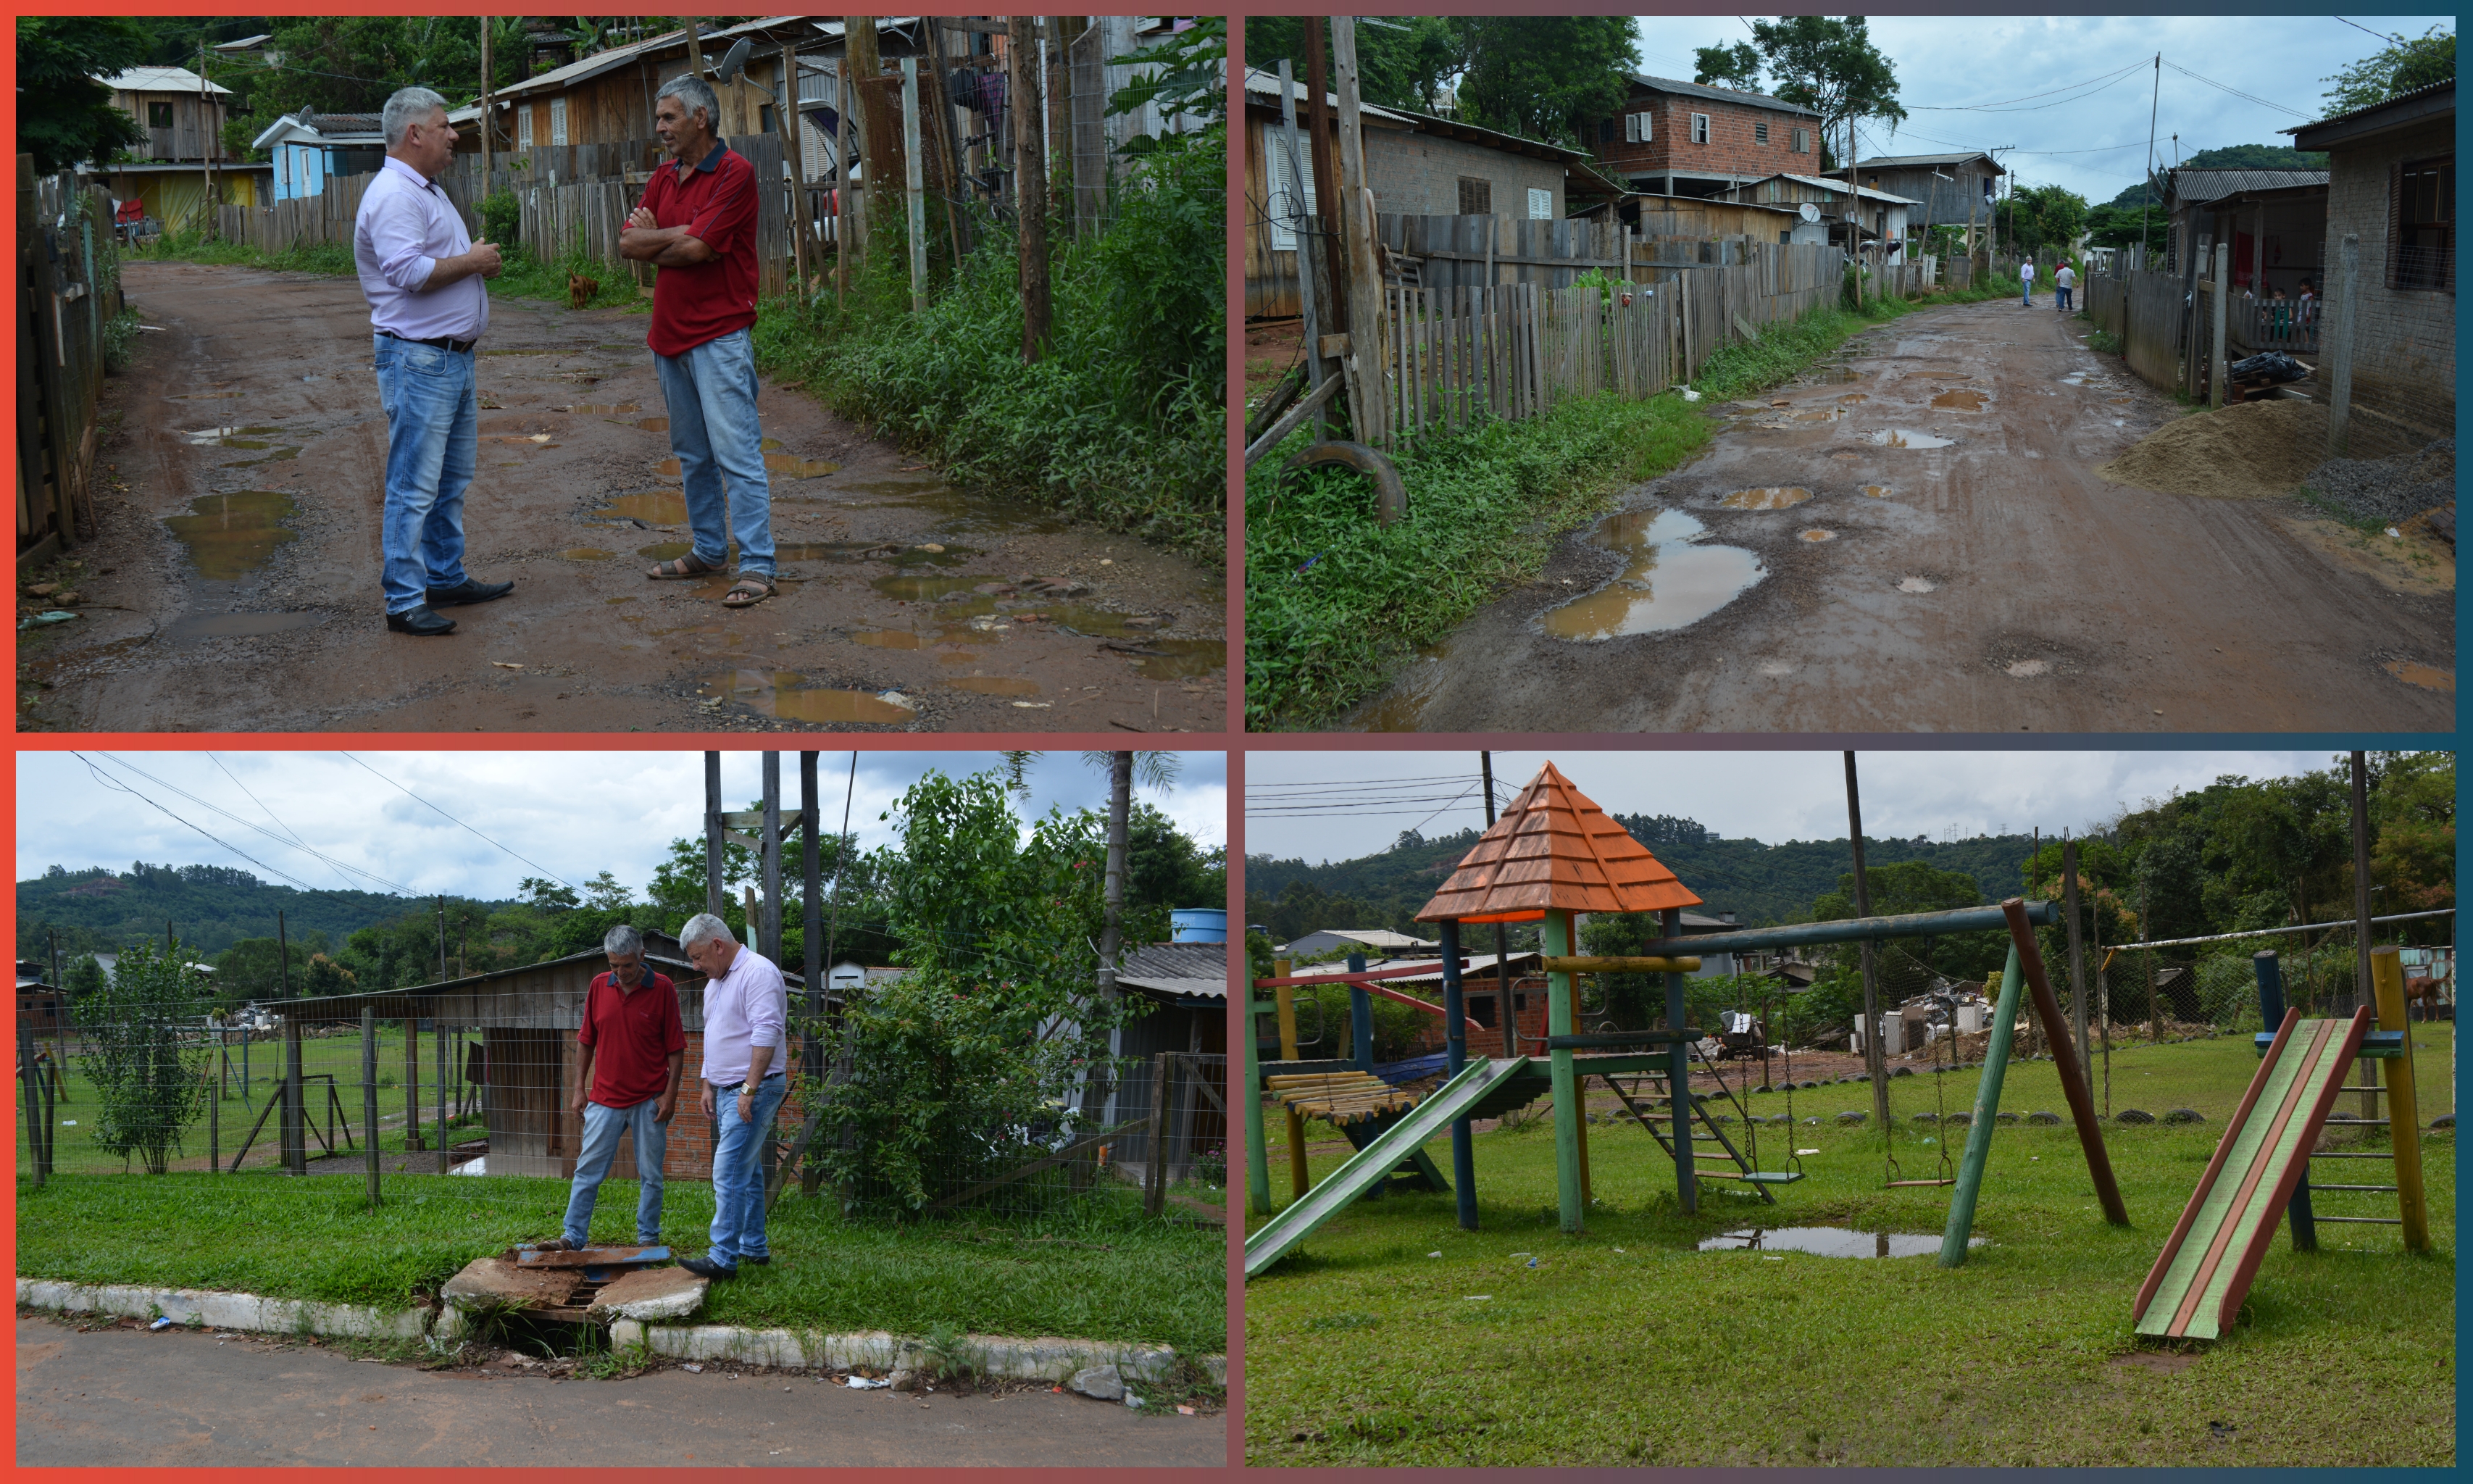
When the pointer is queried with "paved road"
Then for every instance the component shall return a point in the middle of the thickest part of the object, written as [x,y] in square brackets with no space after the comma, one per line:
[234,587]
[1996,585]
[131,1398]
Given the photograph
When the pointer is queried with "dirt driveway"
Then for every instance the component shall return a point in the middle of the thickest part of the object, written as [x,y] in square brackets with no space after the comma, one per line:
[131,1398]
[235,586]
[1890,582]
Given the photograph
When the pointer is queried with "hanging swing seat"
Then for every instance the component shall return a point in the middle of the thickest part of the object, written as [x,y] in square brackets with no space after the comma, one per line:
[1900,1184]
[1753,1177]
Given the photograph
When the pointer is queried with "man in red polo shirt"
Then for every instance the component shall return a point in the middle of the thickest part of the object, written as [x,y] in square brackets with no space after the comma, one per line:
[632,1053]
[697,224]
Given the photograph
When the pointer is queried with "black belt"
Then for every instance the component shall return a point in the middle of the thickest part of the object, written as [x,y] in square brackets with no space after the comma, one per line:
[442,343]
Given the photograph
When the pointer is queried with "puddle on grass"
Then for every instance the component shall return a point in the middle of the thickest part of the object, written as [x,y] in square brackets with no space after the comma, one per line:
[231,536]
[1773,497]
[2427,677]
[786,696]
[1907,437]
[993,684]
[587,554]
[605,409]
[652,507]
[1668,579]
[787,466]
[1960,399]
[199,626]
[1829,1242]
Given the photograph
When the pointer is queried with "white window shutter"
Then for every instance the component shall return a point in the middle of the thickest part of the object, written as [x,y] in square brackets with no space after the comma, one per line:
[1631,129]
[558,121]
[1541,204]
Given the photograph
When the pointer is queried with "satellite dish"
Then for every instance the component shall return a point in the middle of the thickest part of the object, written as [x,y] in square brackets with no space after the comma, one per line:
[1811,212]
[734,61]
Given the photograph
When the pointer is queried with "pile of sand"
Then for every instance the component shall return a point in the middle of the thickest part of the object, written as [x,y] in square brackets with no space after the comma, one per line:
[2242,452]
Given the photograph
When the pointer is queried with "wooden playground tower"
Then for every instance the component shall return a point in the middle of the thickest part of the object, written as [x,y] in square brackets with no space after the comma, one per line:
[1553,853]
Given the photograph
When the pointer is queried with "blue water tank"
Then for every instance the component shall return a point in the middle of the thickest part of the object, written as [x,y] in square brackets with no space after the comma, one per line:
[1198,925]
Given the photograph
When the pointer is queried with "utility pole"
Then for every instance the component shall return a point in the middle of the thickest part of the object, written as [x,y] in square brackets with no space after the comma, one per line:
[794,138]
[914,180]
[2147,187]
[1875,1060]
[771,938]
[2340,348]
[712,856]
[210,138]
[1318,145]
[1031,182]
[1369,412]
[845,244]
[1501,939]
[486,117]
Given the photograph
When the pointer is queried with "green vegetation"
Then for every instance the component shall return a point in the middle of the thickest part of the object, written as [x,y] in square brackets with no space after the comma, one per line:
[2024,1355]
[1101,1271]
[2405,64]
[1333,599]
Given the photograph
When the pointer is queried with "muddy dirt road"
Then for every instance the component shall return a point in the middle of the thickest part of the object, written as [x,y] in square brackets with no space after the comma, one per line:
[235,586]
[131,1398]
[1913,539]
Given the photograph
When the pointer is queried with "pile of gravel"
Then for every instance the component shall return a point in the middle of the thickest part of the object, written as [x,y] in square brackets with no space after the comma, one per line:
[2393,488]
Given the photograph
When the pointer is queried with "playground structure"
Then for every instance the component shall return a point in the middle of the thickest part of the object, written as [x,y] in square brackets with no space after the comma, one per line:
[2261,1169]
[1552,854]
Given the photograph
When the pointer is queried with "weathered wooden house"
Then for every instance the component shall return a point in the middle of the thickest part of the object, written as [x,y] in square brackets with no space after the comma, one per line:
[1954,190]
[183,117]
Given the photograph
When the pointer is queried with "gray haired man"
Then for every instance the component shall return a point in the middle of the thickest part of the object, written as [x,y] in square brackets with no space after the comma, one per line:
[630,1055]
[422,274]
[745,1014]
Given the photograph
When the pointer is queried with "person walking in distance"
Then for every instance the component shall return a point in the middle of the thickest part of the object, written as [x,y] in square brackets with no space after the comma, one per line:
[697,224]
[422,274]
[2027,278]
[2064,278]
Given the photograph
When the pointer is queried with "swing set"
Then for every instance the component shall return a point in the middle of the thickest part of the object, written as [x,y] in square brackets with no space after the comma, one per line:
[1554,853]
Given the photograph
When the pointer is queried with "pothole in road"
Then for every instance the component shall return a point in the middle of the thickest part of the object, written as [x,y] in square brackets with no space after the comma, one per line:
[2028,669]
[2427,677]
[1180,659]
[652,507]
[786,696]
[1773,497]
[229,438]
[1818,534]
[587,554]
[1876,491]
[1960,399]
[787,466]
[1669,578]
[1906,437]
[231,536]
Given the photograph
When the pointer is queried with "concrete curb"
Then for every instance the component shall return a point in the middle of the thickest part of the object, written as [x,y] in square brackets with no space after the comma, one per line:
[1050,1358]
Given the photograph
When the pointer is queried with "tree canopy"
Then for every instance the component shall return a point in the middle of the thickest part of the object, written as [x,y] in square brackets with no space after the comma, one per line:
[64,114]
[2406,64]
[1825,64]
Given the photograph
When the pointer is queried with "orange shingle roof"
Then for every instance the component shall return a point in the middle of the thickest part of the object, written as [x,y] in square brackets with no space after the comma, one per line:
[1555,849]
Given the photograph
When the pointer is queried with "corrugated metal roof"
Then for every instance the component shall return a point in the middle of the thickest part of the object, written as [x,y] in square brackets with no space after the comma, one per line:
[558,78]
[1266,84]
[2417,95]
[1840,186]
[1721,94]
[159,79]
[1192,970]
[2198,186]
[1915,161]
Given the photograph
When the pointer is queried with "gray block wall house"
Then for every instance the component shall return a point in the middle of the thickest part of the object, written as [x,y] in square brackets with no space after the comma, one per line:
[2392,183]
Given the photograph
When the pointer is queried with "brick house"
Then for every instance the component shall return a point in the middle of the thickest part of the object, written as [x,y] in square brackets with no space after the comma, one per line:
[1676,138]
[2392,183]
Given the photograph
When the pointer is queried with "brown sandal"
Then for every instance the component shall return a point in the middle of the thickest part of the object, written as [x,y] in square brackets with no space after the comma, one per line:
[682,570]
[751,588]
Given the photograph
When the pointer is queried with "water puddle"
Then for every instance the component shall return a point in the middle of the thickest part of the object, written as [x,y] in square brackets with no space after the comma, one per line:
[1960,399]
[1774,497]
[924,554]
[1907,437]
[651,425]
[909,589]
[957,512]
[787,466]
[1876,491]
[1668,579]
[652,507]
[2427,677]
[993,684]
[1790,420]
[665,551]
[1829,1242]
[607,409]
[1182,659]
[1854,396]
[786,696]
[229,438]
[231,536]
[959,656]
[199,627]
[1916,584]
[1816,535]
[587,554]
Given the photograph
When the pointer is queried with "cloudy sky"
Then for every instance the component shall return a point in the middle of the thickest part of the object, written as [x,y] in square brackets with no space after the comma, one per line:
[570,815]
[1971,83]
[1320,806]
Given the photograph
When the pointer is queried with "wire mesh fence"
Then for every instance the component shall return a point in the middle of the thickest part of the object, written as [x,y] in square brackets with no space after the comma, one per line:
[304,1089]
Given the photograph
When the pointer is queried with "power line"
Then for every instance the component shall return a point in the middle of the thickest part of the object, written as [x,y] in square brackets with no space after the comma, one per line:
[2367,32]
[206,804]
[2094,84]
[443,814]
[110,782]
[254,799]
[2237,93]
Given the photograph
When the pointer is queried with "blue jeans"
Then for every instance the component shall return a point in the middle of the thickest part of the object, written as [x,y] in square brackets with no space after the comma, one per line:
[2061,299]
[2029,299]
[738,1170]
[713,430]
[433,412]
[602,1129]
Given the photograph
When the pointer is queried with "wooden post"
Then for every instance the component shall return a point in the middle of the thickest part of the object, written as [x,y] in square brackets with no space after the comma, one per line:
[1286,996]
[845,220]
[1155,1173]
[1030,181]
[2074,1086]
[948,142]
[294,1126]
[2216,324]
[1557,935]
[794,137]
[410,1077]
[1326,204]
[1306,245]
[2077,947]
[2404,1117]
[34,1103]
[1678,1078]
[914,183]
[1876,1056]
[437,1040]
[215,1106]
[2340,348]
[712,850]
[769,863]
[486,160]
[370,1086]
[1368,403]
[811,923]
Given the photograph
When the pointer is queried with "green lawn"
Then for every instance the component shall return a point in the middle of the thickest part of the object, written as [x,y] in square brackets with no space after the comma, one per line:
[1105,1272]
[1624,1345]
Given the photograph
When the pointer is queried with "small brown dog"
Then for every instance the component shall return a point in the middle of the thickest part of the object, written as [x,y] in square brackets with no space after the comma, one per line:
[581,288]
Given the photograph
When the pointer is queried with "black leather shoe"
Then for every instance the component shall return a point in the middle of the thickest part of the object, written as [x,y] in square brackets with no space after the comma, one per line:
[419,621]
[469,591]
[759,1261]
[706,1267]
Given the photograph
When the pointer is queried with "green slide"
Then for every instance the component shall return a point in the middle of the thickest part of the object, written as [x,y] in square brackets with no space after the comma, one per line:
[1374,1164]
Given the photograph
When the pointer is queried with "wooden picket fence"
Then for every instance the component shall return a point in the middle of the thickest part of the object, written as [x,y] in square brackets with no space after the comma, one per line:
[63,303]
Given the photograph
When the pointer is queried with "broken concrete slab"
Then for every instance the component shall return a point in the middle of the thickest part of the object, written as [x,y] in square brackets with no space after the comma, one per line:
[493,1284]
[603,1256]
[1100,1383]
[650,1293]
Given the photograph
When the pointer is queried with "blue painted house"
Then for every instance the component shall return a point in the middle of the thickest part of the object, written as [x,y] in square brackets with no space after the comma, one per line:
[308,148]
